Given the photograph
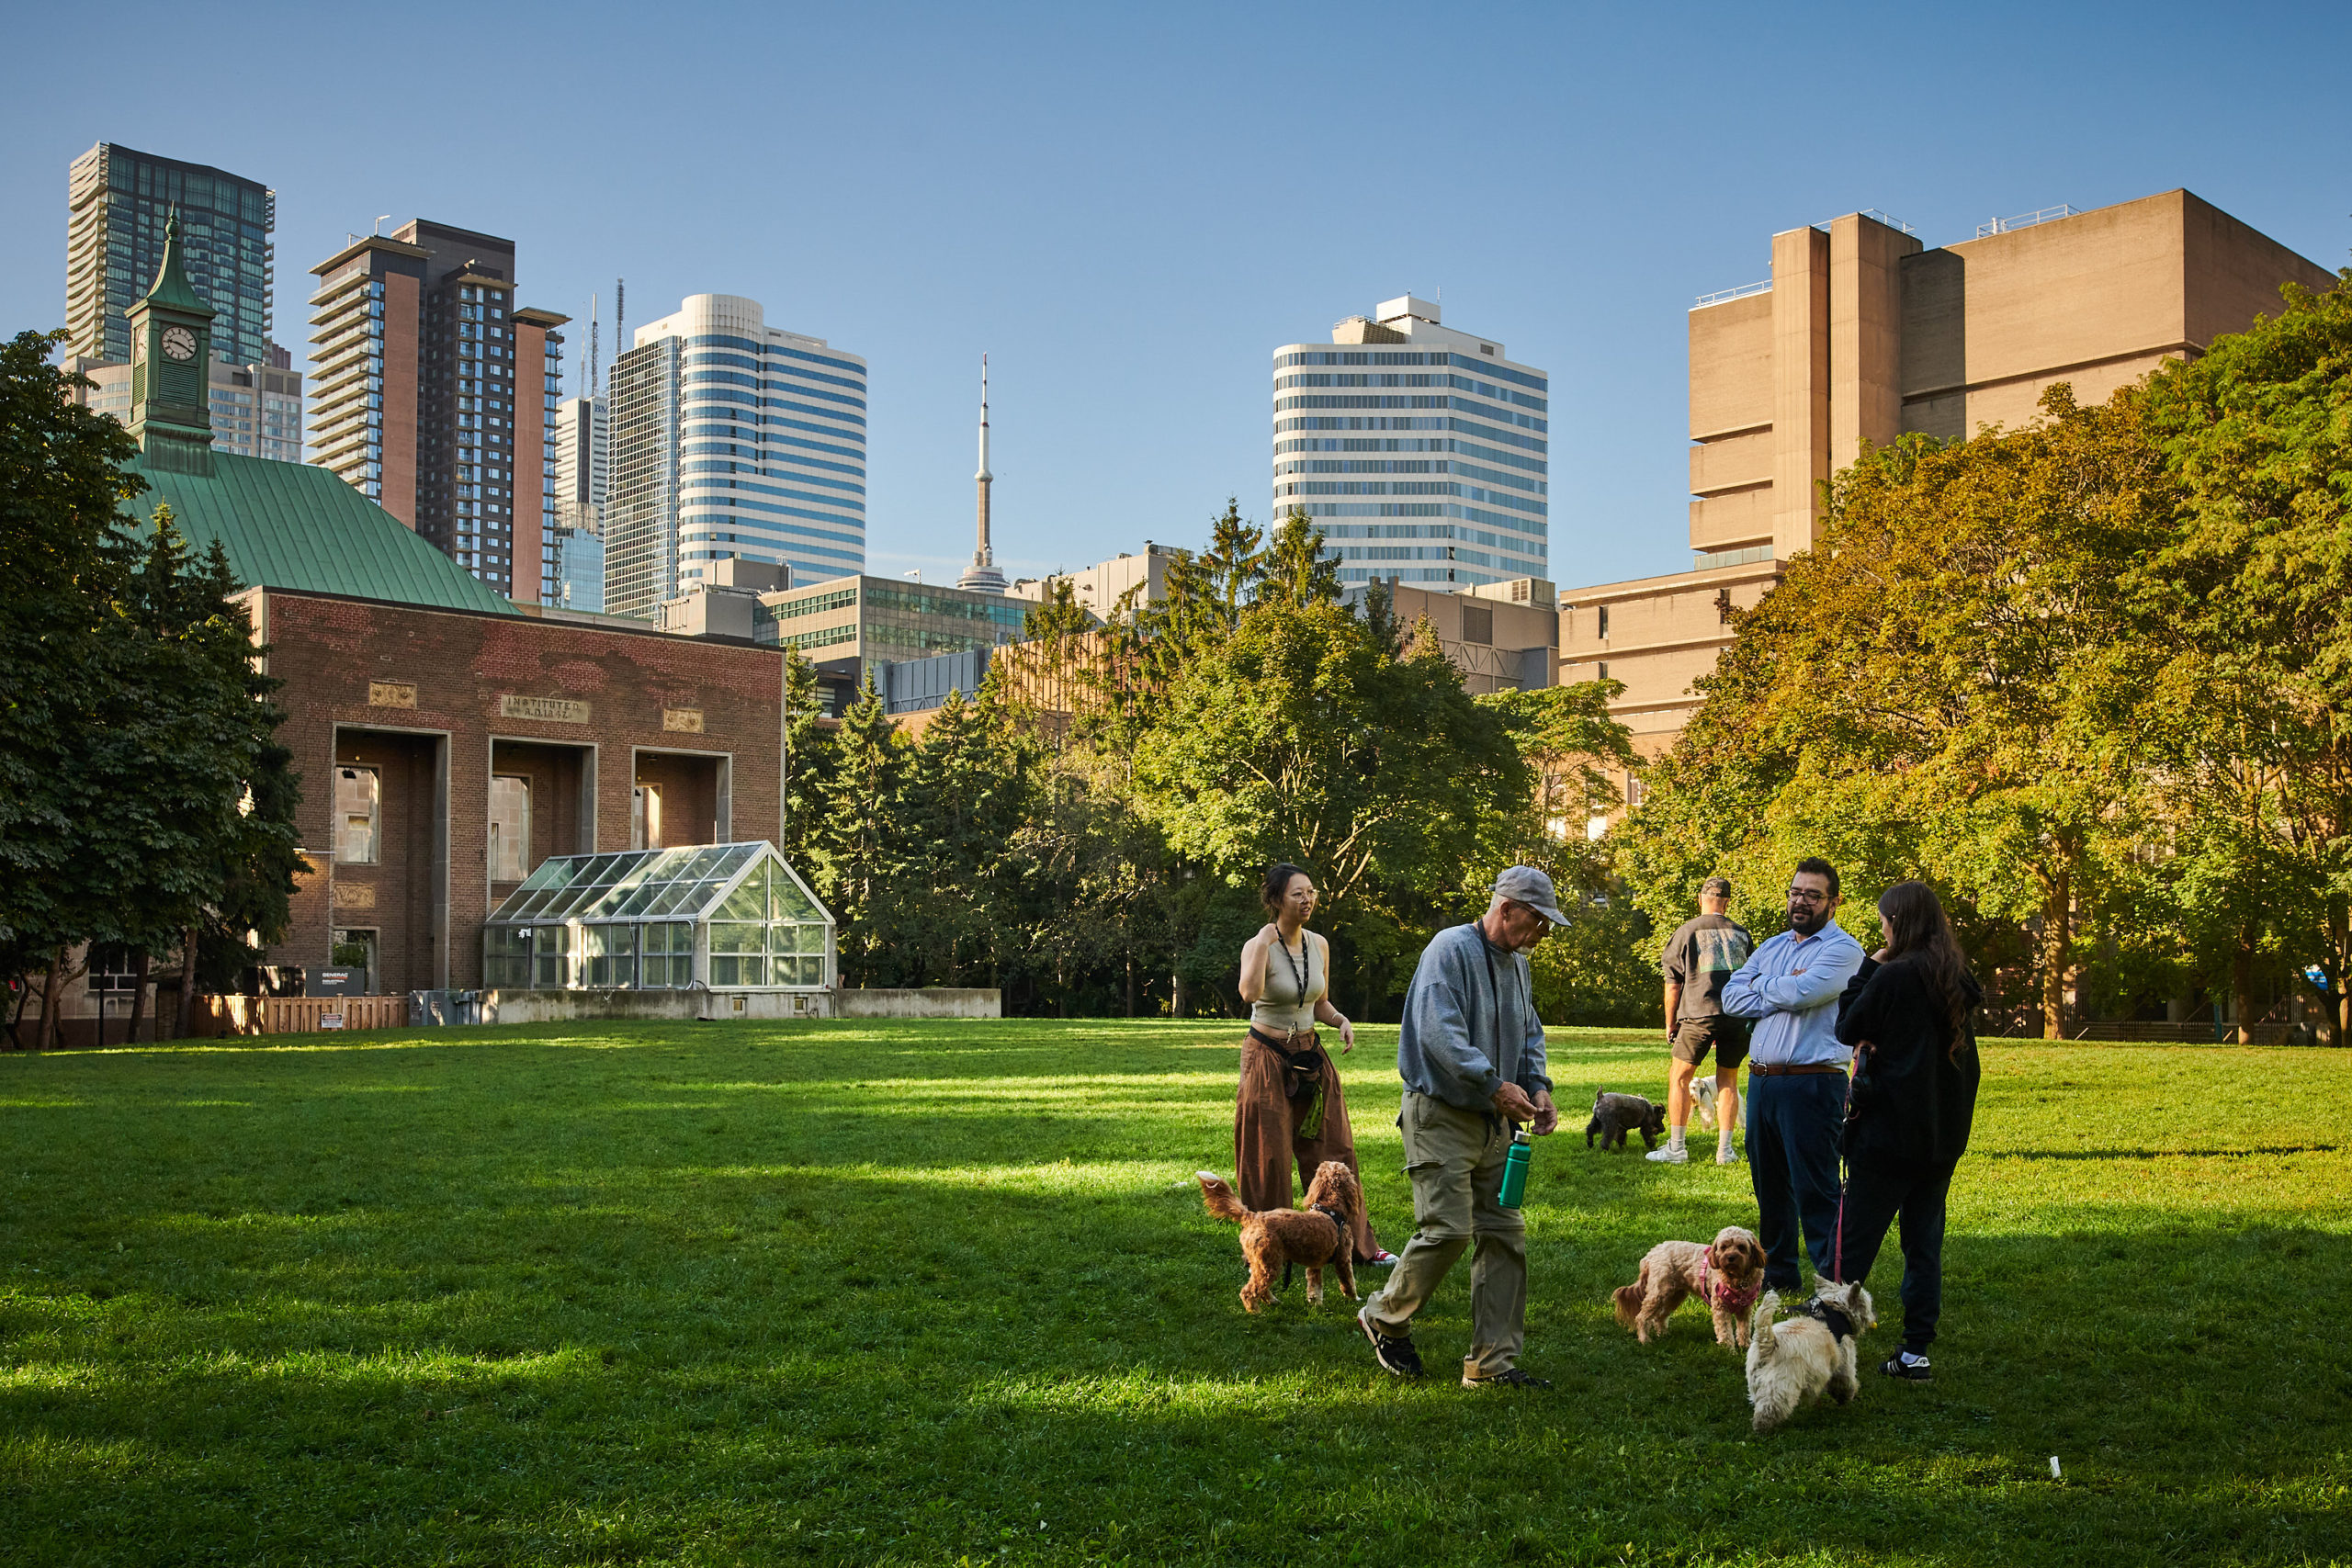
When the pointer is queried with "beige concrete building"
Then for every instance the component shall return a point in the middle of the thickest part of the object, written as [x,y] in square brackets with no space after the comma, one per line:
[1503,636]
[1861,334]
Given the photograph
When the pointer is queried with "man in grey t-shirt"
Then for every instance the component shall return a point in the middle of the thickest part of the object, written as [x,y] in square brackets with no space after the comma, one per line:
[1701,954]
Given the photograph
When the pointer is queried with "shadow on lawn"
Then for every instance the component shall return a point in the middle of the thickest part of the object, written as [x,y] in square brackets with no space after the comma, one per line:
[658,1312]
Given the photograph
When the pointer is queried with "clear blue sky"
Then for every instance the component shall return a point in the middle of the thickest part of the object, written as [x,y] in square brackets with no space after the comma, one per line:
[1131,207]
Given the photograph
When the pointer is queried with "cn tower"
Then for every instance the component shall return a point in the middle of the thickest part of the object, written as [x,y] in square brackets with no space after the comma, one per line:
[981,576]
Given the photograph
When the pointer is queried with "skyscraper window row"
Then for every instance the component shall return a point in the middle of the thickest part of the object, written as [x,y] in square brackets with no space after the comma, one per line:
[1500,416]
[1334,401]
[708,433]
[722,340]
[736,378]
[753,471]
[770,509]
[746,362]
[764,425]
[1531,442]
[1377,421]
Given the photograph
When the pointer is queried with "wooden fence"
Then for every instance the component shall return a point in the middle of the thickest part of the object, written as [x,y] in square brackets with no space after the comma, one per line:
[297,1015]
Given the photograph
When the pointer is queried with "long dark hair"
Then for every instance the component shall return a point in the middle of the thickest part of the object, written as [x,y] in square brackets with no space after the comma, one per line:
[1277,883]
[1916,929]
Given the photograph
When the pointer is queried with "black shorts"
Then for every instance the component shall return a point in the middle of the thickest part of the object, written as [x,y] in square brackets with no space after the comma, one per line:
[1727,1036]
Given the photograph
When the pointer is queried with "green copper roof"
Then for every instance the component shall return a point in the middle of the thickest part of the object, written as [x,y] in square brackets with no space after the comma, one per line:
[297,526]
[172,287]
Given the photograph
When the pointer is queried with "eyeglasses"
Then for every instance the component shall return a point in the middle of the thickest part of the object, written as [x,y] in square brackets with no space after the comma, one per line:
[1807,896]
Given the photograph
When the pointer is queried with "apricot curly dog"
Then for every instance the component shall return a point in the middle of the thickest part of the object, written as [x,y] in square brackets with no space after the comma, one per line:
[1725,1274]
[1316,1236]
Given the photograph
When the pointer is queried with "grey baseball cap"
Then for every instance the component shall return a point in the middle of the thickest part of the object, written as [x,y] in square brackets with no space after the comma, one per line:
[1529,887]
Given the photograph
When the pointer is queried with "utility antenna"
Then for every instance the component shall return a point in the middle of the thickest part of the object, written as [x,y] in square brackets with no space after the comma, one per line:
[620,317]
[593,383]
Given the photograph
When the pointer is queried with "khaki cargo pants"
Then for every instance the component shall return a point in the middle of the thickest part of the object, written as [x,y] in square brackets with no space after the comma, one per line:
[1455,1158]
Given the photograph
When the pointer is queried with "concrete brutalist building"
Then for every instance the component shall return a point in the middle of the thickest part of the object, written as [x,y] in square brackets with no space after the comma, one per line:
[1862,332]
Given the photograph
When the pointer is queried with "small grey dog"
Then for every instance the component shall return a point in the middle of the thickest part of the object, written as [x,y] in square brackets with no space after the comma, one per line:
[1614,1115]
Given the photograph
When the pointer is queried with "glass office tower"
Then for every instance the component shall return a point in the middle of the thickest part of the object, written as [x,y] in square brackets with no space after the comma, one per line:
[730,438]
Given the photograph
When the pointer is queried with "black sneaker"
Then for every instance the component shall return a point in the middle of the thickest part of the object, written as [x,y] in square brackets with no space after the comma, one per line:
[1510,1377]
[1395,1355]
[1915,1369]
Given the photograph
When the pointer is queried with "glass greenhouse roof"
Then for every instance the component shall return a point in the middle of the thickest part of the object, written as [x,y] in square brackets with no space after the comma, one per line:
[698,882]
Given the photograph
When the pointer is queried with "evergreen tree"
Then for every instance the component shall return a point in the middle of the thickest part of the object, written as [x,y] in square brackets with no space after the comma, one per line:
[808,762]
[1297,570]
[859,849]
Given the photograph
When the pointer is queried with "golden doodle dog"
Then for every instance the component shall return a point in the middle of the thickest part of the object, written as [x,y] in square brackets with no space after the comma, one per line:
[1319,1235]
[1810,1355]
[1725,1273]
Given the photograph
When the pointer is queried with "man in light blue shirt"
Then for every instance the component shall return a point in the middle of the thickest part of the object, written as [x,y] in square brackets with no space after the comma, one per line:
[1796,1082]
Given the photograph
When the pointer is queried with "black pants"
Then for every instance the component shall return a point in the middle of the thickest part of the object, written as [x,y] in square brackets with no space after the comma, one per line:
[1794,1121]
[1875,1196]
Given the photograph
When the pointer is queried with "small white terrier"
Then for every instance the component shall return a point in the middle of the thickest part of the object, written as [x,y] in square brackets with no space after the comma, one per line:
[1806,1356]
[1702,1104]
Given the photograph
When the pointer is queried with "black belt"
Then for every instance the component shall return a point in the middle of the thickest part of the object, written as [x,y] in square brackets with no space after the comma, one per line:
[1305,1067]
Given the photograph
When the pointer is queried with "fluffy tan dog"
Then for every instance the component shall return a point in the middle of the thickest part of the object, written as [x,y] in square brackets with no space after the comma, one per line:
[1809,1356]
[1725,1274]
[1319,1235]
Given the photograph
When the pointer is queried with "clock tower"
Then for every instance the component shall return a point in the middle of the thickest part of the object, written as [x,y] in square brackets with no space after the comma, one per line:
[171,369]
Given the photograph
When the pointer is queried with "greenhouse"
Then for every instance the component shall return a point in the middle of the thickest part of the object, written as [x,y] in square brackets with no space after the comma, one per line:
[710,916]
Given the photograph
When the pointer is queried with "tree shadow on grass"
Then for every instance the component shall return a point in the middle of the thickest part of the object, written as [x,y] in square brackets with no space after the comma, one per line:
[681,1307]
[699,1366]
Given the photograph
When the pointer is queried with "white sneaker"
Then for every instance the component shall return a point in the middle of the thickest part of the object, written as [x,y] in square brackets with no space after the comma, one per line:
[1669,1155]
[1726,1156]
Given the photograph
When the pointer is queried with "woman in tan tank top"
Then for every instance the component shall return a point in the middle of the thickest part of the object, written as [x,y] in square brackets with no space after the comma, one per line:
[1289,1109]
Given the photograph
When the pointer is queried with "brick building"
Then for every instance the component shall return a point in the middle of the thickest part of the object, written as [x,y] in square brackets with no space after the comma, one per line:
[446,753]
[447,741]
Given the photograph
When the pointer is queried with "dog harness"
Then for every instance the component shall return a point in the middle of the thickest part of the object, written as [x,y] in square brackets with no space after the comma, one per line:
[1840,1326]
[1339,1222]
[1720,1292]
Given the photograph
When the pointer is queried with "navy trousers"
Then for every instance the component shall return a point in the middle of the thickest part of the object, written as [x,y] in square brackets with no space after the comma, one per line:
[1875,1196]
[1794,1122]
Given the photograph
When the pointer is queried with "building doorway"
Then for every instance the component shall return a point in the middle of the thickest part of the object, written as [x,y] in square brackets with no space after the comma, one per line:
[355,950]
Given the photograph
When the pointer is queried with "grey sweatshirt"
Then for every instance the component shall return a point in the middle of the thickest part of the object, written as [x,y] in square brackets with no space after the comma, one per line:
[1466,1034]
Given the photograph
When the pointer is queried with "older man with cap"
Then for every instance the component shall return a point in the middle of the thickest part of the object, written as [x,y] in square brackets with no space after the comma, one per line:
[1471,1053]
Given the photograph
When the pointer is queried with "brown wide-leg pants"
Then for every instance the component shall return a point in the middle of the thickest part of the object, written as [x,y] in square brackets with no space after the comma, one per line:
[1266,1141]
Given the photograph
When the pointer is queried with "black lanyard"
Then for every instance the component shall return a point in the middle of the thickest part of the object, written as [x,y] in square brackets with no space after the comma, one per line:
[1301,966]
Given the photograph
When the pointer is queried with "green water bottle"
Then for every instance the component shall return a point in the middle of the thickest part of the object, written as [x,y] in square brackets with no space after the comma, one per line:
[1515,1172]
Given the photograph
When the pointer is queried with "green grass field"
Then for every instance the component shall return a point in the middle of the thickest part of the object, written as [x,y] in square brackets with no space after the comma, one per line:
[937,1292]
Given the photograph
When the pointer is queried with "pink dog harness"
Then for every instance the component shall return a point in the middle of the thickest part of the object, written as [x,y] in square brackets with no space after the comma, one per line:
[1720,1292]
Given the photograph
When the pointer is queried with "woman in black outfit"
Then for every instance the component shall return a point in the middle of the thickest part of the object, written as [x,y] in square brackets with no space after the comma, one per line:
[1906,1013]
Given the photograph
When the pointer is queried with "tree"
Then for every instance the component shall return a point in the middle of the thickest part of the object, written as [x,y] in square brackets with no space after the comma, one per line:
[1299,739]
[1297,570]
[61,490]
[1909,699]
[144,799]
[2244,698]
[859,849]
[1594,970]
[808,761]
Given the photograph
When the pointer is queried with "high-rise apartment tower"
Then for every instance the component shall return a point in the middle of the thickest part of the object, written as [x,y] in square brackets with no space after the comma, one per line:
[119,201]
[730,439]
[1419,450]
[434,395]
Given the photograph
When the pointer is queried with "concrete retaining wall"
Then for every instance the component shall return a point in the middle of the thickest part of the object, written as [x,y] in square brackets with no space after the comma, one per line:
[564,1007]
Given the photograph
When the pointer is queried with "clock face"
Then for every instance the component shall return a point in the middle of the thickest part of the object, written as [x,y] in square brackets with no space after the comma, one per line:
[179,342]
